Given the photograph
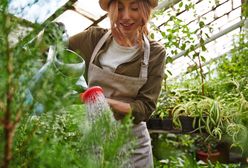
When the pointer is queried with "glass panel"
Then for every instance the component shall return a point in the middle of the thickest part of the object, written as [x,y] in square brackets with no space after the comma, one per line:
[90,8]
[35,11]
[74,22]
[105,23]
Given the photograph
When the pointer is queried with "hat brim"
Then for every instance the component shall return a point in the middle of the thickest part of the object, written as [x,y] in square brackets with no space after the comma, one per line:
[104,4]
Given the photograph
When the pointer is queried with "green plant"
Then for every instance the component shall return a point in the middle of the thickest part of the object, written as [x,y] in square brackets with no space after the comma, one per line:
[206,144]
[234,67]
[40,122]
[186,105]
[63,137]
[166,102]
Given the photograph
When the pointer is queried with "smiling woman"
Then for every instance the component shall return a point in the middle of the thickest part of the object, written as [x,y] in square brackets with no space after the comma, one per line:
[129,20]
[127,65]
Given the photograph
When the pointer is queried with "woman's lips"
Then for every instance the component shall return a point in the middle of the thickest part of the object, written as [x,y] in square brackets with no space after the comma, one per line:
[126,26]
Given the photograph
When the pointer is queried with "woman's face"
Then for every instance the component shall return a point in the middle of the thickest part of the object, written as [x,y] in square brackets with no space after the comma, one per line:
[129,19]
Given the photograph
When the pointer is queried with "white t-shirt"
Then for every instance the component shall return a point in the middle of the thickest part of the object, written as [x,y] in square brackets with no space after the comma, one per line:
[116,55]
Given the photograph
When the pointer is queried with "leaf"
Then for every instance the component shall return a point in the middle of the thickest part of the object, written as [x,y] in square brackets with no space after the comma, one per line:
[195,54]
[186,53]
[202,41]
[207,35]
[163,34]
[169,72]
[180,4]
[192,48]
[203,48]
[201,24]
[152,35]
[183,46]
[203,58]
[169,59]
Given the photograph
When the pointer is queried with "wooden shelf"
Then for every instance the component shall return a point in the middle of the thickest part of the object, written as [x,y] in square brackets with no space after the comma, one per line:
[175,131]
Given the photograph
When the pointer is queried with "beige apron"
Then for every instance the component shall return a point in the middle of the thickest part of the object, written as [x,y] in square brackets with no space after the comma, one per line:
[125,88]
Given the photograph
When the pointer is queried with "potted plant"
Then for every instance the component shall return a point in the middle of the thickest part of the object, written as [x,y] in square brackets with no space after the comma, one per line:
[154,123]
[162,117]
[166,122]
[164,109]
[206,149]
[212,144]
[184,112]
[160,120]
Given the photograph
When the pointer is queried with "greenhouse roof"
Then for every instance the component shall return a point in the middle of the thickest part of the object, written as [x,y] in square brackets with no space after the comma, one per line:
[222,19]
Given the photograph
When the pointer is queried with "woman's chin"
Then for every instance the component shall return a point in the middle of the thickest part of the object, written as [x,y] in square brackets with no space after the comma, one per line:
[128,32]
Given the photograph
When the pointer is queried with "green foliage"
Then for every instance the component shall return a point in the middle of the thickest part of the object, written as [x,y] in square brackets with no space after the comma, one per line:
[167,146]
[49,127]
[47,140]
[235,66]
[225,104]
[64,139]
[178,37]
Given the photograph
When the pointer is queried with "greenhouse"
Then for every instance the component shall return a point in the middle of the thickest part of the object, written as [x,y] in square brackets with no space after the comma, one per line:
[169,89]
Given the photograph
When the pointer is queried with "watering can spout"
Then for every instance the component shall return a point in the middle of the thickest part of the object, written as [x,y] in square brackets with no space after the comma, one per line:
[82,83]
[91,94]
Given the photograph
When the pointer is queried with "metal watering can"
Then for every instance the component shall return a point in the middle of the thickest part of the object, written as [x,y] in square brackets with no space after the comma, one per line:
[67,63]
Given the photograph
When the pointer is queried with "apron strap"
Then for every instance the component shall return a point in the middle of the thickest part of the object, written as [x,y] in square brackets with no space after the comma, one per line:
[144,64]
[145,61]
[99,45]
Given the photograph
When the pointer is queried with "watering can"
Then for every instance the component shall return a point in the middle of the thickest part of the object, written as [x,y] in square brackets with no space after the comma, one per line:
[68,64]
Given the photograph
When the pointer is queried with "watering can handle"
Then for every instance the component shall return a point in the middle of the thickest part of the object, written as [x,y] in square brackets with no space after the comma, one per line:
[50,58]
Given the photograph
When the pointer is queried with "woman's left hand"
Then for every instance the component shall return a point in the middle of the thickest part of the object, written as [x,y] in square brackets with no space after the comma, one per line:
[119,108]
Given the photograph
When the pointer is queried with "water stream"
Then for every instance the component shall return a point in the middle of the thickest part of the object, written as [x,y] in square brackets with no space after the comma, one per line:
[96,105]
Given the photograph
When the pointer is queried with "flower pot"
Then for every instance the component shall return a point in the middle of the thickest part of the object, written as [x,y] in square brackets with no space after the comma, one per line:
[186,123]
[205,156]
[199,125]
[166,124]
[154,123]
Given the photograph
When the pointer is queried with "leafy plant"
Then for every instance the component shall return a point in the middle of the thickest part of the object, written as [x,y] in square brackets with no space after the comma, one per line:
[41,121]
[207,145]
[166,102]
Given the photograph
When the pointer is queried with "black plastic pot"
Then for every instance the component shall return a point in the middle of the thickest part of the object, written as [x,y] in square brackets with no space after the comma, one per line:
[186,123]
[166,124]
[199,124]
[154,123]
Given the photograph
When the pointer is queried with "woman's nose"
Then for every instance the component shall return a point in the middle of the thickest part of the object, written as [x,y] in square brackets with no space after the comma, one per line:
[126,14]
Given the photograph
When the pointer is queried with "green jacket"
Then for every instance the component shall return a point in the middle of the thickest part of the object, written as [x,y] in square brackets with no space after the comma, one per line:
[145,103]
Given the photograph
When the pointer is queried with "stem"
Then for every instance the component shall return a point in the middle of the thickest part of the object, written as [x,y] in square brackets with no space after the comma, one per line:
[7,123]
[201,72]
[1,121]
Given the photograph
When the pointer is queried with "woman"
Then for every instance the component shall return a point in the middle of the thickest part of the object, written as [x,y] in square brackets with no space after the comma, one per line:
[127,65]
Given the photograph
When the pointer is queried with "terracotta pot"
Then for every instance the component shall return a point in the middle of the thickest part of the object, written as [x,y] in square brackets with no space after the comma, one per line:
[205,156]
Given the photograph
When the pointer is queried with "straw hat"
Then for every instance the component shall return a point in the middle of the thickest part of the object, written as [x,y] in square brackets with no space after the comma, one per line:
[105,3]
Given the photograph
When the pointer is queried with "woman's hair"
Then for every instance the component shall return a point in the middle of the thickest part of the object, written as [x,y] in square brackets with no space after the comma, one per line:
[145,11]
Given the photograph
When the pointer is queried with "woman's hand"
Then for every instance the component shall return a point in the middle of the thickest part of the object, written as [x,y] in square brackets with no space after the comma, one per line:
[119,108]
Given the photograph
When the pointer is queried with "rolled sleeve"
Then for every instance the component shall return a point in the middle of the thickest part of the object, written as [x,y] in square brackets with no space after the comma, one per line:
[145,102]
